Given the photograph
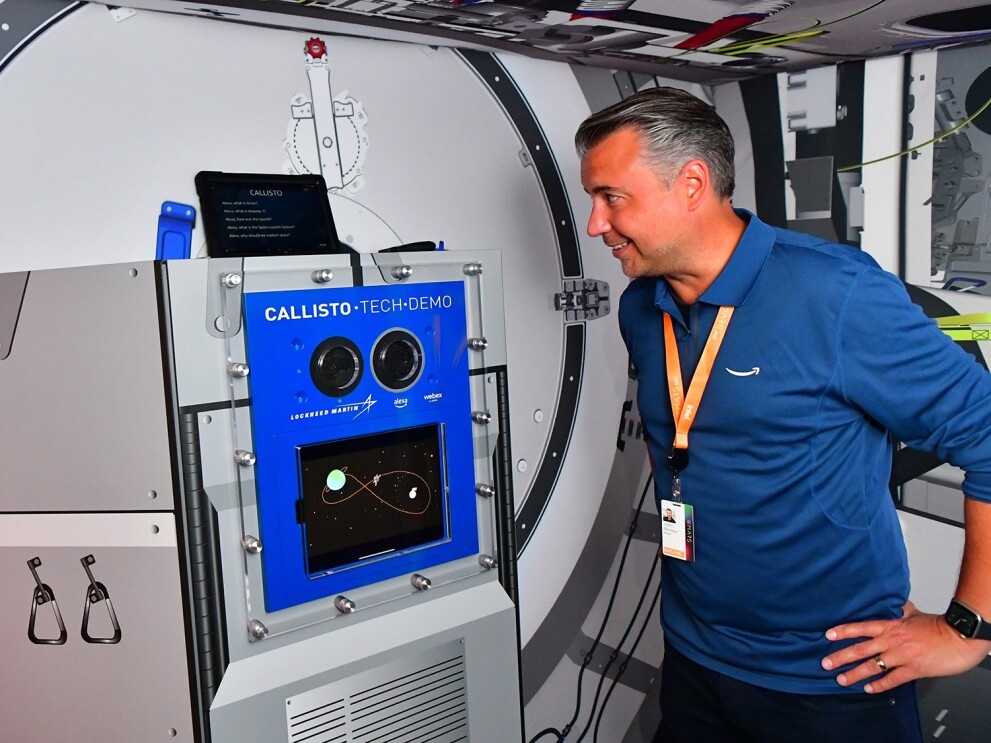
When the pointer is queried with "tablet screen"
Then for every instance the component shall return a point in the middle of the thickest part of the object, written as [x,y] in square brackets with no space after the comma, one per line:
[371,496]
[251,214]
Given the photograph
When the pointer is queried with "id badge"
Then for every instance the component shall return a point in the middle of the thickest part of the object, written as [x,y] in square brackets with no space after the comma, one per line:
[677,530]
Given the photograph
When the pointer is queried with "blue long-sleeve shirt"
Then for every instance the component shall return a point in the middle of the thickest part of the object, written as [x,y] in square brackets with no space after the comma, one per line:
[790,456]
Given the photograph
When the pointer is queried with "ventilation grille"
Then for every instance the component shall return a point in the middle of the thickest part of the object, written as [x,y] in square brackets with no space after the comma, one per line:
[412,701]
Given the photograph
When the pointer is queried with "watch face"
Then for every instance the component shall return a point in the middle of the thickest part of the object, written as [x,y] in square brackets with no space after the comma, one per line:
[962,619]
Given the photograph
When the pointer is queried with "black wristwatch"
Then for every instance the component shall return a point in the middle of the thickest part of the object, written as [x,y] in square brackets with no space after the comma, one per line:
[967,622]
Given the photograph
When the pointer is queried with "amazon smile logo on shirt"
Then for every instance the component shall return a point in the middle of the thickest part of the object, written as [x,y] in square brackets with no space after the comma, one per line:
[749,373]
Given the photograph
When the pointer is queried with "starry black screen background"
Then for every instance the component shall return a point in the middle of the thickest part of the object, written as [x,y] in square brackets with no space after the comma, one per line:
[366,517]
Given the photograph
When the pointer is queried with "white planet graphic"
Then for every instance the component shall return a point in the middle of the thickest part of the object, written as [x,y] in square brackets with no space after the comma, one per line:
[336,480]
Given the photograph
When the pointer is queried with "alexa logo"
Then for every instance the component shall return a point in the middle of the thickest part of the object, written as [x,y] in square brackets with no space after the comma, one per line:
[400,402]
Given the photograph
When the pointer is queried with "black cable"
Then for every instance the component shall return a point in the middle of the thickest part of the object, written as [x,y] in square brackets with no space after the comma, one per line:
[648,620]
[547,731]
[617,650]
[609,608]
[588,656]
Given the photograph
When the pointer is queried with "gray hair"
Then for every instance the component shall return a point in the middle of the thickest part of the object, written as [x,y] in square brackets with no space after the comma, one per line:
[674,127]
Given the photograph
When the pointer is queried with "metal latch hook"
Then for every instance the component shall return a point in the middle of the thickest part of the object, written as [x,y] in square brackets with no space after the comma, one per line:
[43,594]
[95,593]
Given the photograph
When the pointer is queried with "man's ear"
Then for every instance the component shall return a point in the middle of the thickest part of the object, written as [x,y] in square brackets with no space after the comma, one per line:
[695,175]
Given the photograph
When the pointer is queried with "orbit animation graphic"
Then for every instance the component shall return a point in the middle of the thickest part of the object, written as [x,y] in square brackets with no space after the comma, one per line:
[371,496]
[401,490]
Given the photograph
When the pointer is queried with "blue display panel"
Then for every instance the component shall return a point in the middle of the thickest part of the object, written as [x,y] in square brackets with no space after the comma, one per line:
[361,419]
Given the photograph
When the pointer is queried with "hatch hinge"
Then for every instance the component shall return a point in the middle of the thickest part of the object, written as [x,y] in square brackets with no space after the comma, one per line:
[582,299]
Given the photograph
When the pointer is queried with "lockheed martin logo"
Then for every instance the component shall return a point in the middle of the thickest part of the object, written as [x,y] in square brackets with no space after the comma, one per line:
[356,407]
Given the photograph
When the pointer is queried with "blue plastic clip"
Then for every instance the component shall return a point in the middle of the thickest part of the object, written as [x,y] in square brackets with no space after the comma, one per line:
[175,231]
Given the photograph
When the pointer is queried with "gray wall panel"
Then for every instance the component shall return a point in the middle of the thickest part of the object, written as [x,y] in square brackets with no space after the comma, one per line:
[83,383]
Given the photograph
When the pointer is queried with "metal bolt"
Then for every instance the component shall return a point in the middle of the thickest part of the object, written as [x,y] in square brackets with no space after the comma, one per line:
[344,604]
[244,458]
[237,369]
[485,490]
[472,269]
[420,582]
[322,276]
[481,416]
[402,272]
[487,561]
[477,344]
[252,545]
[231,280]
[257,630]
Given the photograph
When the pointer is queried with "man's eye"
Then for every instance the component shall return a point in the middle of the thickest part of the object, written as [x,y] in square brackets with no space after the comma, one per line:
[611,198]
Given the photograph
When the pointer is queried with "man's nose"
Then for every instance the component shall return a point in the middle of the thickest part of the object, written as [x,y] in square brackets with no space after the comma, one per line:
[597,225]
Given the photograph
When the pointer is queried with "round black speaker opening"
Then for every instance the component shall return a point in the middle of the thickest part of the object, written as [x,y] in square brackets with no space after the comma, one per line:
[336,366]
[397,360]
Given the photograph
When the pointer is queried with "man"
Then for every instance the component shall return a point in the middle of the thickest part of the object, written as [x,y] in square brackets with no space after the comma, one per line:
[772,366]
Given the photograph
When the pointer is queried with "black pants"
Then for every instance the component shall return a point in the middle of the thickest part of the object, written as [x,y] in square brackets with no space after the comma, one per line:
[699,705]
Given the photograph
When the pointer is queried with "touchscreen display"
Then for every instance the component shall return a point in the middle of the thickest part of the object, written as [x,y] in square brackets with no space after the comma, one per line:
[254,214]
[370,496]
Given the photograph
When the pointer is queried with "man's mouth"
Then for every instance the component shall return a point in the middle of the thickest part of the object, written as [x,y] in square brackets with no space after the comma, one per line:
[618,246]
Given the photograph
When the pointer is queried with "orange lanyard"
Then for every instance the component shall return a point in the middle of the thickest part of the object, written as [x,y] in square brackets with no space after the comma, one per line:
[683,408]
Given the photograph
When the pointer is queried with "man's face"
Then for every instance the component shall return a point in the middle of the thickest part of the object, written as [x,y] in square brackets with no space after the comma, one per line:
[633,212]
